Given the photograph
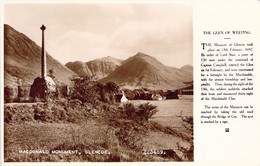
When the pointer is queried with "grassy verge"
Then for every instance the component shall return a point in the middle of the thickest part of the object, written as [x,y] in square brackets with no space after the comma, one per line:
[125,132]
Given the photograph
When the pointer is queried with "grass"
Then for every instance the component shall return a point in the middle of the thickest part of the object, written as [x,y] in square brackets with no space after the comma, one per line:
[71,125]
[47,136]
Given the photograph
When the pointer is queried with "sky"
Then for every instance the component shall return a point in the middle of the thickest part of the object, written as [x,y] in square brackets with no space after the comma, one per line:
[84,32]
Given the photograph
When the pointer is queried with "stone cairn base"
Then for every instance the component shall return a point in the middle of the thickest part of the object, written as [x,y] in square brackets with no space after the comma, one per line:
[43,88]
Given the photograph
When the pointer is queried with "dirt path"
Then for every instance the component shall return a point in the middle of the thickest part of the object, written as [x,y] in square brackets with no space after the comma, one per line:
[22,104]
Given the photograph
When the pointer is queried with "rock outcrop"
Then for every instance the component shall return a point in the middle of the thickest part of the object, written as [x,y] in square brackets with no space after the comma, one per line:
[99,68]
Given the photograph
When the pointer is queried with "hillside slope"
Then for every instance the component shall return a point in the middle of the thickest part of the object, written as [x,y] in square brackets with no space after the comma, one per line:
[22,60]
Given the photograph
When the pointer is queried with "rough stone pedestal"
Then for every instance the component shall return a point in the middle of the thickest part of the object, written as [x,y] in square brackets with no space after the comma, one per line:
[43,88]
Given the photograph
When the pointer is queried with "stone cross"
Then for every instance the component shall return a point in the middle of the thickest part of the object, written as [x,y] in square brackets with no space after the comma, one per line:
[44,65]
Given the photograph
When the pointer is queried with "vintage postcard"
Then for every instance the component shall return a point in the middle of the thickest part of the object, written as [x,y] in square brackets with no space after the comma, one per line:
[98,82]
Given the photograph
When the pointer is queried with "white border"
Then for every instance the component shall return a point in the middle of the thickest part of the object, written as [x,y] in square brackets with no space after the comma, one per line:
[87,2]
[195,60]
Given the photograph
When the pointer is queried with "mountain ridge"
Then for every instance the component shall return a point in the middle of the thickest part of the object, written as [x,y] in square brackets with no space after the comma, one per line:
[100,67]
[142,70]
[22,60]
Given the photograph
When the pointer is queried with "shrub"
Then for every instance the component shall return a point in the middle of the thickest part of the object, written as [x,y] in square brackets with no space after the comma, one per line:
[188,119]
[111,87]
[42,114]
[131,124]
[93,92]
[8,116]
[146,110]
[187,153]
[129,110]
[141,113]
[130,135]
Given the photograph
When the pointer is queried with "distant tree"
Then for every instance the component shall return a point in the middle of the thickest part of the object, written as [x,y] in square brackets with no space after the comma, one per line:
[111,87]
[93,92]
[169,91]
[171,95]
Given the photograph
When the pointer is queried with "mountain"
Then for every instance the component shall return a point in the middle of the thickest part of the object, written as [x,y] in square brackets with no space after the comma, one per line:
[99,67]
[80,68]
[22,60]
[145,71]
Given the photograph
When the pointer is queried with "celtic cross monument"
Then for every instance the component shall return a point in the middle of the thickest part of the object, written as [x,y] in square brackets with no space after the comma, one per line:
[43,87]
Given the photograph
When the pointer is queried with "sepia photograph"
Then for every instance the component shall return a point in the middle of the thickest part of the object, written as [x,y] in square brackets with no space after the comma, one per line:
[98,82]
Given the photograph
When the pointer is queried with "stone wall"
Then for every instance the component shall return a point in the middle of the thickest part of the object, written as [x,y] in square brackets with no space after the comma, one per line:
[22,93]
[10,94]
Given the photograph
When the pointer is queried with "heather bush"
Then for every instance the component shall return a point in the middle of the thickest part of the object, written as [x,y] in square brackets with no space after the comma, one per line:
[130,134]
[141,113]
[130,123]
